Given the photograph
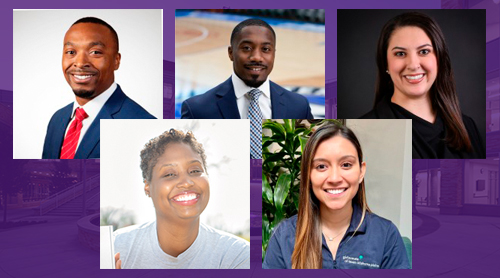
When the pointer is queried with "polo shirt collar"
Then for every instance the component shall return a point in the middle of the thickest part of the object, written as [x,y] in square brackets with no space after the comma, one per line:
[356,217]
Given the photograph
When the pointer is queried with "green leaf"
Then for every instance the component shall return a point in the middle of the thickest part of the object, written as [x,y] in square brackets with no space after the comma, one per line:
[296,198]
[296,143]
[267,191]
[288,127]
[281,191]
[278,138]
[299,130]
[275,157]
[266,233]
[303,142]
[266,142]
[277,219]
[275,127]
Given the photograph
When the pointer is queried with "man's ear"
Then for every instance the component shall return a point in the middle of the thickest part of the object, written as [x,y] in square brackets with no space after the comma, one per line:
[230,52]
[118,58]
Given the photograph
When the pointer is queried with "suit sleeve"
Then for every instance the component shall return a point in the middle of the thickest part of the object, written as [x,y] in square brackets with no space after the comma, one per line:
[45,153]
[309,114]
[50,150]
[186,111]
[395,256]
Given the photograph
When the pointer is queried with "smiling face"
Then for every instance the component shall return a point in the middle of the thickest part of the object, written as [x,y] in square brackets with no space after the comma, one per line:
[336,173]
[252,52]
[412,62]
[90,57]
[179,184]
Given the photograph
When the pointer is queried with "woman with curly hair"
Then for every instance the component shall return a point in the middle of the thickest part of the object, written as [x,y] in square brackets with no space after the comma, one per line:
[174,171]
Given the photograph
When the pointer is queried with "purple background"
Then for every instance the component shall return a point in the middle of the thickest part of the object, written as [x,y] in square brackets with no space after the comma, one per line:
[452,240]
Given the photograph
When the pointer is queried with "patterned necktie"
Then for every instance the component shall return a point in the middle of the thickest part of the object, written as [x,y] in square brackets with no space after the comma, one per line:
[255,116]
[71,140]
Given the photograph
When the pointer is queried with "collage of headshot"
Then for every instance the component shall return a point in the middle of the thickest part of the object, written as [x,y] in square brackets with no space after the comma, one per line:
[243,140]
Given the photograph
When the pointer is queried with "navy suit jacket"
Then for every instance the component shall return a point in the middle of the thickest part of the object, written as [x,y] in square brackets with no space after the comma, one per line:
[118,106]
[220,103]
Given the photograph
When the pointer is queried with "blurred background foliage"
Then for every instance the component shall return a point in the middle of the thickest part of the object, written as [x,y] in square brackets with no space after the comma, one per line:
[282,146]
[117,217]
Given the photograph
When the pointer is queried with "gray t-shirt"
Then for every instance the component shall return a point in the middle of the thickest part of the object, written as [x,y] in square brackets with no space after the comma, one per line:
[139,249]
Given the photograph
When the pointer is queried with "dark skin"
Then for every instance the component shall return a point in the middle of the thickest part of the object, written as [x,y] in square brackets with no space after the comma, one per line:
[252,52]
[180,192]
[90,57]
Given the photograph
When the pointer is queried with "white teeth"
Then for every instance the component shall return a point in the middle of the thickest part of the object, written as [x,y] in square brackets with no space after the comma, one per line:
[82,76]
[336,191]
[185,197]
[414,77]
[257,69]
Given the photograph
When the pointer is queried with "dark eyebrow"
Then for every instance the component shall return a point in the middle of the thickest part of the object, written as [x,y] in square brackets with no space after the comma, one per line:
[252,42]
[90,44]
[343,157]
[398,47]
[97,44]
[422,46]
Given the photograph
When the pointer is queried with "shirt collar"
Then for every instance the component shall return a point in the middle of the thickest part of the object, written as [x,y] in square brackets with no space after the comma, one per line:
[94,106]
[240,88]
[356,218]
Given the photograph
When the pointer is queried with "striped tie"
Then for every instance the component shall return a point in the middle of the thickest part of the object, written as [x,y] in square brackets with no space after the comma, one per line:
[255,116]
[71,140]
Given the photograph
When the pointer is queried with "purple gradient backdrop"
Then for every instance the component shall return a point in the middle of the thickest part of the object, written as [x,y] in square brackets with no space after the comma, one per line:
[444,245]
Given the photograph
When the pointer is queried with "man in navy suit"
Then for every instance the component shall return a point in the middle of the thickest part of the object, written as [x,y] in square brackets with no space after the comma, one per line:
[252,51]
[90,57]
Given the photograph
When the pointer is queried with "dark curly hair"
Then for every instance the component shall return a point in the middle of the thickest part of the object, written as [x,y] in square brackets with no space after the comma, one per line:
[156,147]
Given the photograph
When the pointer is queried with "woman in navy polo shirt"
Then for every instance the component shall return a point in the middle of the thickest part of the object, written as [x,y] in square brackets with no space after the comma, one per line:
[334,227]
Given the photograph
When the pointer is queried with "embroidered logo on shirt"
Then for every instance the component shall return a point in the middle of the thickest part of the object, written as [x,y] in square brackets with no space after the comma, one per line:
[358,261]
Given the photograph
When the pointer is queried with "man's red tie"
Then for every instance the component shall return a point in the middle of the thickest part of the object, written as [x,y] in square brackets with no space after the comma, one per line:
[71,140]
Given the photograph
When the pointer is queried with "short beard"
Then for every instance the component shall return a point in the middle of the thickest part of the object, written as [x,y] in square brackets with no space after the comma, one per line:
[84,94]
[254,83]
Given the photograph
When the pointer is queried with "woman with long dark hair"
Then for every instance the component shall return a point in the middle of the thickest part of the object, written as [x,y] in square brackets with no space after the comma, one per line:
[415,81]
[334,227]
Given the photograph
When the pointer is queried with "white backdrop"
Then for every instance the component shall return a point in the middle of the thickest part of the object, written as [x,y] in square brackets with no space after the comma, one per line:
[227,146]
[386,146]
[39,87]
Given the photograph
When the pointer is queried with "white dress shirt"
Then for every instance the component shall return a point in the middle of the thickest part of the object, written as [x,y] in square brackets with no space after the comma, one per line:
[243,99]
[92,108]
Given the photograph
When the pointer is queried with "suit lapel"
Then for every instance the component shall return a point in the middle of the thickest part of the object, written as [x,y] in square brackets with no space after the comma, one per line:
[60,132]
[278,101]
[227,101]
[92,137]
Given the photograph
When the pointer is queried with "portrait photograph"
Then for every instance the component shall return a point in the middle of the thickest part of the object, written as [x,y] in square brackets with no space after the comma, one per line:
[225,60]
[177,193]
[424,65]
[82,66]
[337,194]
